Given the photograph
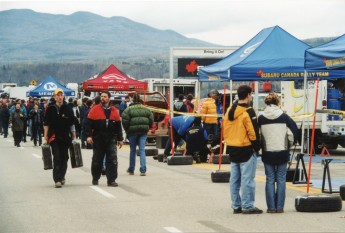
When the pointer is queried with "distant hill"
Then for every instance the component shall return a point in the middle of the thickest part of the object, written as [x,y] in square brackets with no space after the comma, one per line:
[318,41]
[28,36]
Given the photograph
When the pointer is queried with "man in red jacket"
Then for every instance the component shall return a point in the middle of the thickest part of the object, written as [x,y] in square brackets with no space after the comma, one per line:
[103,129]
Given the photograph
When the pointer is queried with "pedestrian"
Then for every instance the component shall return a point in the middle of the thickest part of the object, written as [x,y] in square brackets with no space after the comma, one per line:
[36,117]
[124,104]
[59,131]
[189,104]
[137,121]
[180,106]
[196,141]
[241,134]
[103,130]
[208,107]
[5,118]
[179,126]
[278,133]
[17,119]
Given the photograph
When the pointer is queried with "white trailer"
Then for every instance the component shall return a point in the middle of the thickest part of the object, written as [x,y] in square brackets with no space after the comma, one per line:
[329,128]
[20,92]
[181,86]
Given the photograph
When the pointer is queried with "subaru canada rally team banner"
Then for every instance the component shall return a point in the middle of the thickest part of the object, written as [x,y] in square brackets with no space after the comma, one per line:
[272,54]
[47,88]
[189,67]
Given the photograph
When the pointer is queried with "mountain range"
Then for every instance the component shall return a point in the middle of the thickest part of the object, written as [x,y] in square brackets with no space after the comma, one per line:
[28,36]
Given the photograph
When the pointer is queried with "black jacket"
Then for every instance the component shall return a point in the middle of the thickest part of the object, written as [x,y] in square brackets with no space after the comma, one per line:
[59,121]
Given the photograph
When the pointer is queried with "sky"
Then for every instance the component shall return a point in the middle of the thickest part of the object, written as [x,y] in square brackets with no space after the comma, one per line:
[223,22]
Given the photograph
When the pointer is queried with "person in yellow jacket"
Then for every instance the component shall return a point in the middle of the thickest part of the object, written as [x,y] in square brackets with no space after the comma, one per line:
[241,134]
[209,107]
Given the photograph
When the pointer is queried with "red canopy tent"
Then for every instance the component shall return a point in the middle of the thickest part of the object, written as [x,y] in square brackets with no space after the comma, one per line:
[113,79]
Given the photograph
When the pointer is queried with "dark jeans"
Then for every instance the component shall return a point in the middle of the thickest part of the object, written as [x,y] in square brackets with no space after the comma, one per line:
[36,132]
[177,138]
[60,159]
[25,129]
[17,135]
[5,128]
[203,151]
[211,129]
[100,149]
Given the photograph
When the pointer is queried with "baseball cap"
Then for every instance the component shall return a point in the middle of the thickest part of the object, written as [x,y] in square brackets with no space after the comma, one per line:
[58,90]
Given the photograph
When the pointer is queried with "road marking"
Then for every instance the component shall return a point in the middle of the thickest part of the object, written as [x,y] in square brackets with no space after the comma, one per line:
[37,156]
[101,191]
[172,229]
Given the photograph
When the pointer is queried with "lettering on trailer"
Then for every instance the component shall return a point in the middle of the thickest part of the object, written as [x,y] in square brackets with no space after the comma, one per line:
[214,51]
[334,62]
[262,74]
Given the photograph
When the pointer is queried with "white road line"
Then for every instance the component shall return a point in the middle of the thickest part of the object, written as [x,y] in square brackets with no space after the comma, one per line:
[172,229]
[101,191]
[37,156]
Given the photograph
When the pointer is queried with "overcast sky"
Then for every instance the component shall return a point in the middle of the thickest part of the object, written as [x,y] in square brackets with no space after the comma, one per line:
[224,22]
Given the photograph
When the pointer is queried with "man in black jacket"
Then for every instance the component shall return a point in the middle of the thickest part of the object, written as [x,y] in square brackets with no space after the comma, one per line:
[103,129]
[59,130]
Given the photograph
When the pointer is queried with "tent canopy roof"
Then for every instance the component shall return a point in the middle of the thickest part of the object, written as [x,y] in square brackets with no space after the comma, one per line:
[47,88]
[272,54]
[327,56]
[113,79]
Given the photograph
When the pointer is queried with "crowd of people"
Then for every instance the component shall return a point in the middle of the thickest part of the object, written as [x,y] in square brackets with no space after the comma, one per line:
[100,125]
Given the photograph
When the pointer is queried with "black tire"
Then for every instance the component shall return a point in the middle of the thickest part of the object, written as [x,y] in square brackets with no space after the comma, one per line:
[342,192]
[318,143]
[290,173]
[149,152]
[180,160]
[220,176]
[318,203]
[225,159]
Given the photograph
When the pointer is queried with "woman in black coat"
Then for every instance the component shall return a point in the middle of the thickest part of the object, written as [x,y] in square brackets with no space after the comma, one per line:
[17,120]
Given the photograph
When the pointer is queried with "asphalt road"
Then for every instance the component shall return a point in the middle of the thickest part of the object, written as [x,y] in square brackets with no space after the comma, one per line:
[168,199]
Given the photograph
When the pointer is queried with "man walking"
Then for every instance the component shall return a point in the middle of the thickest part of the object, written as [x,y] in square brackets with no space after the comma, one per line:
[103,130]
[137,121]
[59,130]
[241,134]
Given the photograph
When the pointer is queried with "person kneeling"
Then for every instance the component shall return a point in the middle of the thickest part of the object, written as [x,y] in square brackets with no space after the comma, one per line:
[196,140]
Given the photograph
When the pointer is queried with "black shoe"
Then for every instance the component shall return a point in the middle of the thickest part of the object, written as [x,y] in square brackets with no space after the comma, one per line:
[238,211]
[252,211]
[18,145]
[103,172]
[94,182]
[113,184]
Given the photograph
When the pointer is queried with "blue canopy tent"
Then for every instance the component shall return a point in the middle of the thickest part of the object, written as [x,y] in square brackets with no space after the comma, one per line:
[272,54]
[329,57]
[47,88]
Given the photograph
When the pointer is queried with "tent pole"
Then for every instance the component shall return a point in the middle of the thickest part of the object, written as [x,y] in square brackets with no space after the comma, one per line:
[312,135]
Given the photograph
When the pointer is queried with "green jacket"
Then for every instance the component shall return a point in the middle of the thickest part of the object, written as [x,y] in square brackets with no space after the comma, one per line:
[136,119]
